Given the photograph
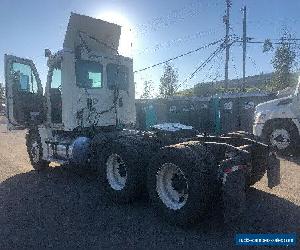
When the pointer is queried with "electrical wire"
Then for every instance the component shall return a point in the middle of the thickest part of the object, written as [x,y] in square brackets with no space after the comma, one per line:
[179,56]
[218,74]
[173,17]
[253,62]
[202,65]
[209,74]
[262,42]
[97,40]
[172,42]
[234,67]
[221,48]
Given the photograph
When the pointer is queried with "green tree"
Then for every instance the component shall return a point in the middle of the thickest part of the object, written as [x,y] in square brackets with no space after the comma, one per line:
[283,62]
[148,90]
[205,89]
[267,46]
[168,81]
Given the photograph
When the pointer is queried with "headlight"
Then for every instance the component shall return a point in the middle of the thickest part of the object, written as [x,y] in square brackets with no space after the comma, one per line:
[285,101]
[259,118]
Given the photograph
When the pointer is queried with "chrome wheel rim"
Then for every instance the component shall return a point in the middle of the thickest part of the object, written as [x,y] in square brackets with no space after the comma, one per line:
[116,172]
[172,186]
[280,138]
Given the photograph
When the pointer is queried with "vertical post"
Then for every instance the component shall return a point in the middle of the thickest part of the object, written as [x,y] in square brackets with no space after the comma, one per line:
[217,115]
[244,45]
[226,21]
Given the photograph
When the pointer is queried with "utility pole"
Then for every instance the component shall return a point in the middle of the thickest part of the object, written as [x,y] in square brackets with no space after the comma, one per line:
[227,46]
[244,45]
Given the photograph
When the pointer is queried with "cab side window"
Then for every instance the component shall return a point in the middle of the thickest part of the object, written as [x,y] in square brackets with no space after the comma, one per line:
[89,74]
[26,79]
[117,75]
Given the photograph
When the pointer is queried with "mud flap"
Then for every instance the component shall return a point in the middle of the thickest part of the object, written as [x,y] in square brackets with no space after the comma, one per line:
[233,195]
[273,171]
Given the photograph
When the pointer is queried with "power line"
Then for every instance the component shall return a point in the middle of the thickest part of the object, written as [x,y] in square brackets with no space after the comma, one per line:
[253,62]
[262,42]
[176,57]
[221,48]
[209,75]
[173,17]
[286,39]
[177,40]
[212,55]
[234,67]
[170,18]
[218,74]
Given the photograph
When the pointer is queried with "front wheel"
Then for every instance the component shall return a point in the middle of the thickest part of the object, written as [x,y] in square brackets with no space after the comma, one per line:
[35,150]
[282,136]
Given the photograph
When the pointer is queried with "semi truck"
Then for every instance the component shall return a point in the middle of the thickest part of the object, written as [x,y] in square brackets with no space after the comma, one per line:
[277,122]
[85,119]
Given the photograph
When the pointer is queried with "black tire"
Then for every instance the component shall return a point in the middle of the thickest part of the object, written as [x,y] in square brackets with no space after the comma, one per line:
[199,169]
[259,163]
[256,176]
[291,130]
[134,166]
[259,167]
[35,150]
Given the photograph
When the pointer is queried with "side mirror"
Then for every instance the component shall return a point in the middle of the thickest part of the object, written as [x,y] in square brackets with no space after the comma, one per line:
[48,53]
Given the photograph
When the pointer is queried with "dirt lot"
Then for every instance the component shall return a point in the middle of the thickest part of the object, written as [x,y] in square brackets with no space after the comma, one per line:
[59,209]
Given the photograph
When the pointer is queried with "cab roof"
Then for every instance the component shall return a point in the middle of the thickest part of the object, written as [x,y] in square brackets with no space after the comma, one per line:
[99,35]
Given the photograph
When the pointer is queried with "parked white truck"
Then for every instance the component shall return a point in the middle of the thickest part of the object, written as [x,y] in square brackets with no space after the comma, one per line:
[85,119]
[277,122]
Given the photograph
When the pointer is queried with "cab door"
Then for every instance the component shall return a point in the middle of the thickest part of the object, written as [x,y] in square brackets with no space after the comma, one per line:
[25,102]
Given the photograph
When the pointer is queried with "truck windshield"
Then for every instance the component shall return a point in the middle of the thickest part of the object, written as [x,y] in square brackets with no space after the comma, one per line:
[117,75]
[88,74]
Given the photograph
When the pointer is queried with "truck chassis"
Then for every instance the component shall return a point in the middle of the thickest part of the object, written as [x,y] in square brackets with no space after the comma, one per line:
[182,172]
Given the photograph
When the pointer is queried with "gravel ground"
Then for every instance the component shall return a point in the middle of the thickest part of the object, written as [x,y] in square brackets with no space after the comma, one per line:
[60,209]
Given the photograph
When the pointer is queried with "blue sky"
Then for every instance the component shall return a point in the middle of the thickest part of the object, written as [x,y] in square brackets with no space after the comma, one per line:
[160,30]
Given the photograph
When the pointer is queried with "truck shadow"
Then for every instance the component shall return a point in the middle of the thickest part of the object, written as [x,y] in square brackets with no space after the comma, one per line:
[60,209]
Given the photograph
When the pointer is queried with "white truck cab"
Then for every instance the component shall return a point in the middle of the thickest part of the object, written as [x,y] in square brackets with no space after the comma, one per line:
[88,82]
[90,87]
[277,122]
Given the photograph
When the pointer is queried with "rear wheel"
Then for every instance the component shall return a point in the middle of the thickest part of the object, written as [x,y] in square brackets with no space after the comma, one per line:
[35,150]
[172,186]
[182,183]
[116,172]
